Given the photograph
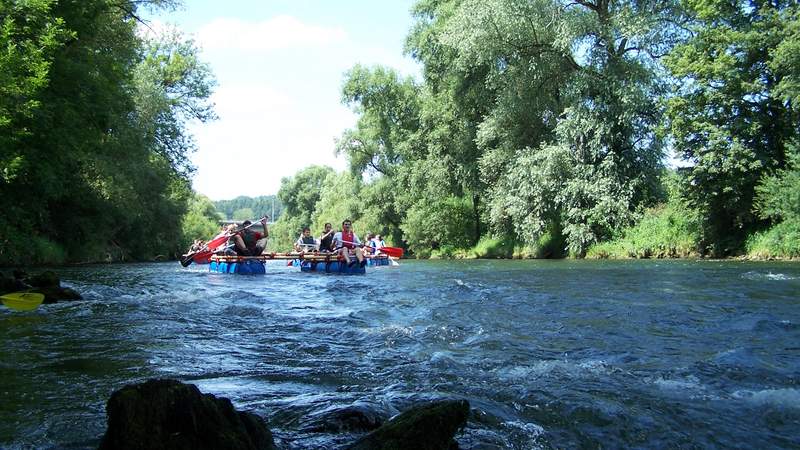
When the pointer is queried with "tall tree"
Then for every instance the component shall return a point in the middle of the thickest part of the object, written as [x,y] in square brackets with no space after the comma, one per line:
[735,109]
[102,159]
[569,138]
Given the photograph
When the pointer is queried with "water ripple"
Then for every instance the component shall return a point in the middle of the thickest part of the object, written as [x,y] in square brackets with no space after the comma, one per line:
[560,354]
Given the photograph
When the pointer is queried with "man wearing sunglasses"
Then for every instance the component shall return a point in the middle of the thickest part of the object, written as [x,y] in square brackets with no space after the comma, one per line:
[346,242]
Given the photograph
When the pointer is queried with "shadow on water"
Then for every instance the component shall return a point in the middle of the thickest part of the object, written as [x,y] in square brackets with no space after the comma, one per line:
[549,353]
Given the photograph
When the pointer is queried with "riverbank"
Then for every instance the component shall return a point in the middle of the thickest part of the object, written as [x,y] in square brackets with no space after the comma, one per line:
[670,231]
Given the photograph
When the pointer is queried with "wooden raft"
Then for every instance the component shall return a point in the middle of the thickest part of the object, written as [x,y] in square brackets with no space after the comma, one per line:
[303,256]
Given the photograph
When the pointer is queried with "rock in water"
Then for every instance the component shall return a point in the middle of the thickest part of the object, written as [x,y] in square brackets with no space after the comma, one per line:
[57,294]
[167,414]
[46,279]
[360,417]
[427,427]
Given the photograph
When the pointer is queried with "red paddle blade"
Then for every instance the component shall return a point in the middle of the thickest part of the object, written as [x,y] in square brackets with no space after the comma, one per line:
[217,241]
[394,252]
[202,257]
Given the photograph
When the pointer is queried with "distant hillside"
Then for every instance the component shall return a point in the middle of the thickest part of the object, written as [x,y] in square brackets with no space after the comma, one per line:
[243,207]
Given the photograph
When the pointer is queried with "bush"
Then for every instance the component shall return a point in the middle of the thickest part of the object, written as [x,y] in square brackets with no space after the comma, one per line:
[23,247]
[439,224]
[667,231]
[780,241]
[491,247]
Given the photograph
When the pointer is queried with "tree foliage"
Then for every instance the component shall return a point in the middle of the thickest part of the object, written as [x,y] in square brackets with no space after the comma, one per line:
[265,205]
[97,160]
[200,220]
[734,112]
[533,113]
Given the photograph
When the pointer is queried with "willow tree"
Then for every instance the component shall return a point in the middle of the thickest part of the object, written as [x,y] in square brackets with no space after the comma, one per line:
[570,143]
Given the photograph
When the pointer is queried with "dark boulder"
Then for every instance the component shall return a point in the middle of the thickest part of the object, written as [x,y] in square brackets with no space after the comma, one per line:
[57,294]
[358,417]
[426,427]
[46,283]
[167,414]
[44,280]
[9,284]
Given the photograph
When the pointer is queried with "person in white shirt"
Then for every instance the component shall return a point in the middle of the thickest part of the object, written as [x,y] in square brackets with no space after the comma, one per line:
[306,242]
[347,243]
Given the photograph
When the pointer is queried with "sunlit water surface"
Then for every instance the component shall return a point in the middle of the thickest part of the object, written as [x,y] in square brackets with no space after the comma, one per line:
[550,354]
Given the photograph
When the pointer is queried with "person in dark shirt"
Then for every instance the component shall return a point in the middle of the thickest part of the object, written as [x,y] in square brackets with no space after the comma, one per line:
[306,242]
[326,239]
[249,242]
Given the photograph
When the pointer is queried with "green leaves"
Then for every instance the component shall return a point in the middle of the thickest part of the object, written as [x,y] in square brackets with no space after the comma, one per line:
[199,222]
[732,114]
[389,115]
[29,39]
[172,87]
[93,148]
[778,195]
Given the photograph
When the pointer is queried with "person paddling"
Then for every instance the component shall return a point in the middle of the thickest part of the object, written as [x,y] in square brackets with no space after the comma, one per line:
[249,242]
[347,242]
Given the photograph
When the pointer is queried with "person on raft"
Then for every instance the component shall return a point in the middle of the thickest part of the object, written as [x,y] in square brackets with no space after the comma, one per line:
[326,239]
[377,244]
[306,242]
[347,242]
[249,242]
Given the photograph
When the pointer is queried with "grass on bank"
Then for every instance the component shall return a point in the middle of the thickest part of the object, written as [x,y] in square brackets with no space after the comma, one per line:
[548,246]
[780,241]
[667,231]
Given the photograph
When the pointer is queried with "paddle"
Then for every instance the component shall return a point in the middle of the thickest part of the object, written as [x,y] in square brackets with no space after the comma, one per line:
[395,252]
[22,301]
[208,250]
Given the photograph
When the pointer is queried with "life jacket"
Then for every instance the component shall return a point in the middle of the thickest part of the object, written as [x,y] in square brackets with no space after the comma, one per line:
[347,239]
[309,240]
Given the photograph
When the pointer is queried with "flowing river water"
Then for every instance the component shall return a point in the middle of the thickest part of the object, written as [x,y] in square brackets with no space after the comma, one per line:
[550,354]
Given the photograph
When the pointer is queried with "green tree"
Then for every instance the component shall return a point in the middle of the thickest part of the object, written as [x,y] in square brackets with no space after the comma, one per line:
[388,109]
[778,195]
[200,220]
[733,115]
[29,38]
[243,214]
[300,193]
[568,86]
[778,200]
[173,87]
[101,167]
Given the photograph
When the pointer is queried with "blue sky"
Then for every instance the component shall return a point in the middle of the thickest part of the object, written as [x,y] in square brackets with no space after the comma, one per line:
[279,67]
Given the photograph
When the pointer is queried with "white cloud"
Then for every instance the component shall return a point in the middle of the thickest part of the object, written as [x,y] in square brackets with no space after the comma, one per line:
[262,135]
[279,32]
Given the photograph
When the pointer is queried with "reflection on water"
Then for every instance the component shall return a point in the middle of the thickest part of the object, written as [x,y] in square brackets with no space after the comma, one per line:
[549,353]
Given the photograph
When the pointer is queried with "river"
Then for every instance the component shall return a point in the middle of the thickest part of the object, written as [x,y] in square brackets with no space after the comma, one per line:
[550,354]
